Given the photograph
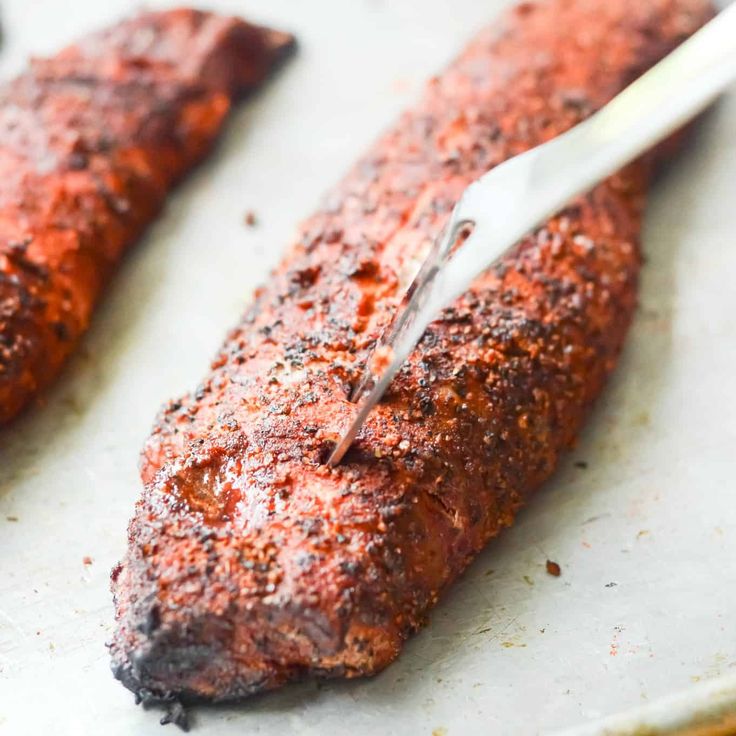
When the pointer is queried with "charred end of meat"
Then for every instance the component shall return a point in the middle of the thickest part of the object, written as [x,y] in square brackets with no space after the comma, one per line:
[170,659]
[228,606]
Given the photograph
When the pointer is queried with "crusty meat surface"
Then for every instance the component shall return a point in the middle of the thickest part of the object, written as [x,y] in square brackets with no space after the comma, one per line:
[250,561]
[91,140]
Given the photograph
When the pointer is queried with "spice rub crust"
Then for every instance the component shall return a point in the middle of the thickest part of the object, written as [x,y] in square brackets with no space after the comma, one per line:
[250,561]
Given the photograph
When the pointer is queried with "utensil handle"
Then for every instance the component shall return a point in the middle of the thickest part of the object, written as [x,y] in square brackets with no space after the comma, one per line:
[662,100]
[528,189]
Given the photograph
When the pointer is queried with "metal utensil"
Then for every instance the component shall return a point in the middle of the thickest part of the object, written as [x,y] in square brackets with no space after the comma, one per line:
[511,199]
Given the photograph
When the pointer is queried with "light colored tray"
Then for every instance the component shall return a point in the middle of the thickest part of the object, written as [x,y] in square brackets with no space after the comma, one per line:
[645,534]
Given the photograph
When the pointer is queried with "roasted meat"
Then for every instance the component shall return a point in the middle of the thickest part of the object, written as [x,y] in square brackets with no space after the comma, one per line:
[91,140]
[251,562]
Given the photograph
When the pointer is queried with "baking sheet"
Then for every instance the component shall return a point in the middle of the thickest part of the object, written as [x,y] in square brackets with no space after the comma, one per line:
[645,533]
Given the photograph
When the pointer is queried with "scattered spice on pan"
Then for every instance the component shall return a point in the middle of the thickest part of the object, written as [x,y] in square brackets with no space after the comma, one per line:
[553,569]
